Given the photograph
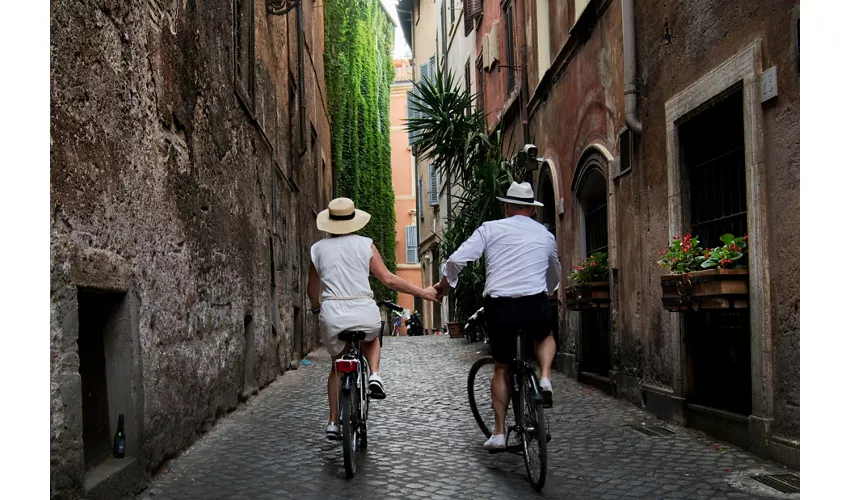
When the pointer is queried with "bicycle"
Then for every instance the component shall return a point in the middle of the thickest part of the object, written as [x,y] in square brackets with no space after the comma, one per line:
[473,329]
[354,396]
[525,422]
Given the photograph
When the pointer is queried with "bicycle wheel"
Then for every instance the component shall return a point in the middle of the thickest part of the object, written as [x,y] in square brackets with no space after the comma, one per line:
[350,429]
[365,402]
[533,435]
[481,402]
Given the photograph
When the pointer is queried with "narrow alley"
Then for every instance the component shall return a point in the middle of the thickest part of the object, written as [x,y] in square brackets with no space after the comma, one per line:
[424,443]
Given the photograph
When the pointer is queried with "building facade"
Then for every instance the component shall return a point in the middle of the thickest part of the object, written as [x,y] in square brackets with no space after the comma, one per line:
[654,120]
[190,153]
[404,187]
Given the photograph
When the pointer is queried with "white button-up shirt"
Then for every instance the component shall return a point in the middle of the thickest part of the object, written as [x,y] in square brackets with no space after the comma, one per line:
[521,257]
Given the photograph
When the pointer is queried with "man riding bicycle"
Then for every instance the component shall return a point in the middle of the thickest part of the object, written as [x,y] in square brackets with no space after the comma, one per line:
[522,271]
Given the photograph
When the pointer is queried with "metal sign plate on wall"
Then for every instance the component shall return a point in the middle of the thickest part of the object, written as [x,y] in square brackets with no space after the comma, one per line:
[768,85]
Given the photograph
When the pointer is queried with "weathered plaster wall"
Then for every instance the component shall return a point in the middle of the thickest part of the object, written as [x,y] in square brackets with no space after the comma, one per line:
[677,43]
[155,161]
[582,107]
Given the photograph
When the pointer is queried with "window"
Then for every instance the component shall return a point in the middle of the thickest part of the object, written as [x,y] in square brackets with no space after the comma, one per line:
[432,68]
[433,188]
[472,10]
[411,114]
[452,12]
[542,28]
[509,46]
[419,200]
[467,80]
[243,55]
[443,28]
[411,244]
[479,81]
[718,341]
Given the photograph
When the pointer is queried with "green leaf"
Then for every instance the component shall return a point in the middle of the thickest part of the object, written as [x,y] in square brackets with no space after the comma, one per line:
[727,239]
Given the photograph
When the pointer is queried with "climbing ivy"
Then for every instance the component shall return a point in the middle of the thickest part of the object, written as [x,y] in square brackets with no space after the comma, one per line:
[358,73]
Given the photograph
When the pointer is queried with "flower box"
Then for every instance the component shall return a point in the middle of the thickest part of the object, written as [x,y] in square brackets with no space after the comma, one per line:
[588,296]
[455,331]
[712,289]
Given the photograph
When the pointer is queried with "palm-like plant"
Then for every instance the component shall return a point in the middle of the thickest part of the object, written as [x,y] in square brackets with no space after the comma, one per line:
[451,132]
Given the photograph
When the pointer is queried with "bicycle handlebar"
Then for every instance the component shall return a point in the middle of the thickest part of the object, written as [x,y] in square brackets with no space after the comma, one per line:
[390,305]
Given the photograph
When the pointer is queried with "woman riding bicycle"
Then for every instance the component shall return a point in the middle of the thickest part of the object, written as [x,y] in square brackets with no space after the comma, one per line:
[339,272]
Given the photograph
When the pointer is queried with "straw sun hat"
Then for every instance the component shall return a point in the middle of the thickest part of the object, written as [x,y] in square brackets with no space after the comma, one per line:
[341,217]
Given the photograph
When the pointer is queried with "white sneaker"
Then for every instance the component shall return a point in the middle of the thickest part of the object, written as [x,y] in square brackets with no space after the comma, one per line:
[496,442]
[376,387]
[546,390]
[332,431]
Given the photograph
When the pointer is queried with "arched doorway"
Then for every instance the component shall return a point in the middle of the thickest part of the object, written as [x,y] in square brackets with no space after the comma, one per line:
[590,195]
[546,195]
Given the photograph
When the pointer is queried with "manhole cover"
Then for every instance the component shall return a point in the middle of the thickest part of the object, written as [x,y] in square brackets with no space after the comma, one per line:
[651,431]
[786,483]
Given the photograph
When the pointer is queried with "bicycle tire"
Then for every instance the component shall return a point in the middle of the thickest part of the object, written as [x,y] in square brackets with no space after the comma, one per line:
[485,421]
[534,417]
[470,389]
[364,442]
[349,430]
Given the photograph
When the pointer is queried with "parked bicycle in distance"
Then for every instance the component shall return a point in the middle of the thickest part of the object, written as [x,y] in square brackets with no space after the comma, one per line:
[354,395]
[475,330]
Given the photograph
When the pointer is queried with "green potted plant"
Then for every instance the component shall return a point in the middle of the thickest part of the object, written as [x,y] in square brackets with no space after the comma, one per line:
[711,278]
[590,288]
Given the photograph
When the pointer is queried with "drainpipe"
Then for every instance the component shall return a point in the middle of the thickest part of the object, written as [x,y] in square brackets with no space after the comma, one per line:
[302,106]
[630,63]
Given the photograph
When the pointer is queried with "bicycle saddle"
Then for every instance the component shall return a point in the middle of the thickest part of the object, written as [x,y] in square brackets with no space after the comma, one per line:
[352,335]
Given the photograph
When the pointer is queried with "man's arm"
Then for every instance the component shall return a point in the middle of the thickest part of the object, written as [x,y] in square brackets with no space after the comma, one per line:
[471,249]
[553,272]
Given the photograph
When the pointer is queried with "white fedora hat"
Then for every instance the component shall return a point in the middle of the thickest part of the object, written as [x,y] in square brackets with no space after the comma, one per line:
[520,194]
[341,217]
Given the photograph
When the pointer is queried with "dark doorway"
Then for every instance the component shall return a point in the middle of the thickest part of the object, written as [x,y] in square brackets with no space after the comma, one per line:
[718,342]
[297,334]
[546,216]
[595,323]
[546,195]
[96,312]
[248,354]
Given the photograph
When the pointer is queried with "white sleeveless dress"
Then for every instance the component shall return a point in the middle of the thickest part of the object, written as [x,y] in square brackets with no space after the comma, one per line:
[347,299]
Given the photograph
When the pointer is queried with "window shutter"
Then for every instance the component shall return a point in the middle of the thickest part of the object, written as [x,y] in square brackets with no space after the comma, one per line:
[419,200]
[472,9]
[434,193]
[432,73]
[411,114]
[468,19]
[412,245]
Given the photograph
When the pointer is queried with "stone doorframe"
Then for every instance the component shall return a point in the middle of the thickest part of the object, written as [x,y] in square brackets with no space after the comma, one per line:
[575,246]
[744,69]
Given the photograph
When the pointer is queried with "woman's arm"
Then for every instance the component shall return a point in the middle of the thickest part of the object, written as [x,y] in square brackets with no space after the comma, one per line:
[313,287]
[379,269]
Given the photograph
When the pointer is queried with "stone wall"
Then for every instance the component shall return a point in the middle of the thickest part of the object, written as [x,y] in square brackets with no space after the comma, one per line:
[166,191]
[679,43]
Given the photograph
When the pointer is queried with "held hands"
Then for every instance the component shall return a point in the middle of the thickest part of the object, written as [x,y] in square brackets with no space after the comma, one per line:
[431,294]
[442,289]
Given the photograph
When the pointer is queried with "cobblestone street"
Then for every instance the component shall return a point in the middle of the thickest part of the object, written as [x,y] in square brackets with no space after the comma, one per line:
[424,443]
